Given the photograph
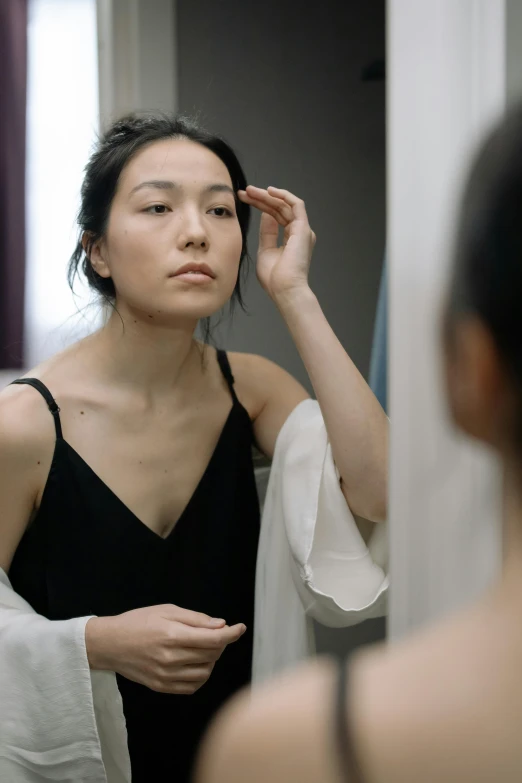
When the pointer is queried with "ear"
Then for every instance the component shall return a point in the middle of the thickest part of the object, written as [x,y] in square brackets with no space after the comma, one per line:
[96,252]
[479,393]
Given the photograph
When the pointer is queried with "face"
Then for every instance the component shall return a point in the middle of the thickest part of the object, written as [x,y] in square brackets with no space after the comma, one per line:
[174,209]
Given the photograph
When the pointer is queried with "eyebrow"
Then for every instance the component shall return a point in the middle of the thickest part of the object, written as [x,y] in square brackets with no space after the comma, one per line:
[167,184]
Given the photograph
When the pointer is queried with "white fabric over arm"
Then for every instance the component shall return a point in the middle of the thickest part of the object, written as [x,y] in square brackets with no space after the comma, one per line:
[58,720]
[333,570]
[312,560]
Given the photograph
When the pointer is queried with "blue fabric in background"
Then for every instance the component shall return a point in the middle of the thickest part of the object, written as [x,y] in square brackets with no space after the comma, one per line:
[379,356]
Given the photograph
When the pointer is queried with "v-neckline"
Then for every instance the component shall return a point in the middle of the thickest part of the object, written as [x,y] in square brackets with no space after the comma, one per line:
[127,509]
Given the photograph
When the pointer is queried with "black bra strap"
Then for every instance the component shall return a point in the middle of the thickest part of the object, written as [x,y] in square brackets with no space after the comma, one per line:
[344,738]
[227,372]
[48,397]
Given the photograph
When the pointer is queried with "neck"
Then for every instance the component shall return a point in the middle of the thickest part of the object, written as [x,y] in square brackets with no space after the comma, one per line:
[149,357]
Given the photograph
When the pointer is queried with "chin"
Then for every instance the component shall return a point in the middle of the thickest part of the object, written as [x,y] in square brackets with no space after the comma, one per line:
[173,312]
[168,307]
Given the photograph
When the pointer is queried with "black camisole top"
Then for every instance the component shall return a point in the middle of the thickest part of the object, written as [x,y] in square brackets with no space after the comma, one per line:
[87,553]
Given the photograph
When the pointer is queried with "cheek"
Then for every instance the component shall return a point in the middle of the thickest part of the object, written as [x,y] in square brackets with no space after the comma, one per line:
[230,257]
[135,278]
[131,252]
[124,239]
[235,245]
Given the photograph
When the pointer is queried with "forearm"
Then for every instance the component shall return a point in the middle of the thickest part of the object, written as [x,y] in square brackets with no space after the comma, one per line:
[355,421]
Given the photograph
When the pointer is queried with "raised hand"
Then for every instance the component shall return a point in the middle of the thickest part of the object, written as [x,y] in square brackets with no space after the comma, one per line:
[281,269]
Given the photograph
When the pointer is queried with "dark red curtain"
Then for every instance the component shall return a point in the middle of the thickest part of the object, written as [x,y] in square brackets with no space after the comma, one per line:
[13,77]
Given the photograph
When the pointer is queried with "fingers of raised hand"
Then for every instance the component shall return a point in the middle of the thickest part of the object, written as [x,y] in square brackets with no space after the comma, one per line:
[287,197]
[288,210]
[264,201]
[297,204]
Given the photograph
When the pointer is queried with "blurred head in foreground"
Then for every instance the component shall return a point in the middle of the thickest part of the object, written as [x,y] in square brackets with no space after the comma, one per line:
[483,316]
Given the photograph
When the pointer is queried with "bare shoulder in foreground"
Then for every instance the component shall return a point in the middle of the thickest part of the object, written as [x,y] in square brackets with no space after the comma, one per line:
[433,707]
[279,734]
[443,706]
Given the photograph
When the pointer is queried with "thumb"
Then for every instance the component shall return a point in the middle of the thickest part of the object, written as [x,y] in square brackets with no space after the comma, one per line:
[194,619]
[268,232]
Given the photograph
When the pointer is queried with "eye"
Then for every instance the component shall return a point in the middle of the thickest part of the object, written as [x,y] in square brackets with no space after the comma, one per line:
[222,212]
[157,209]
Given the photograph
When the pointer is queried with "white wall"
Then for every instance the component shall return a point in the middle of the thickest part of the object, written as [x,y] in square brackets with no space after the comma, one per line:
[447,82]
[136,59]
[62,119]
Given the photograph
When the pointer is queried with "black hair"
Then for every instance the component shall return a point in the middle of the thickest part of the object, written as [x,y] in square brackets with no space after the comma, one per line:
[116,147]
[487,271]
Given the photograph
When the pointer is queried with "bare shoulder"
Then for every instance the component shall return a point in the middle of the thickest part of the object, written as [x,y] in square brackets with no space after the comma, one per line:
[424,709]
[427,708]
[262,378]
[269,393]
[281,732]
[25,422]
[26,448]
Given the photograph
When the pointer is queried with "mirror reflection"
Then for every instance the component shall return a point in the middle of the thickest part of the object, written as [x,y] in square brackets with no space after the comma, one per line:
[193,429]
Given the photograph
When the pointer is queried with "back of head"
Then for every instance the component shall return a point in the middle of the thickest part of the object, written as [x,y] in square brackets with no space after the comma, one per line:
[487,272]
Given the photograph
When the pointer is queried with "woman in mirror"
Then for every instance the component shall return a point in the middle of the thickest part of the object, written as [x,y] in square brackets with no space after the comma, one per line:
[446,704]
[127,491]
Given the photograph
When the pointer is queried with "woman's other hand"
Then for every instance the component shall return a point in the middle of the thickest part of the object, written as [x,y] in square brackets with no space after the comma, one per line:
[166,648]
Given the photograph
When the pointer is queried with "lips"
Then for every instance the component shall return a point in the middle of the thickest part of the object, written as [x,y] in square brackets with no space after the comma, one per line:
[202,269]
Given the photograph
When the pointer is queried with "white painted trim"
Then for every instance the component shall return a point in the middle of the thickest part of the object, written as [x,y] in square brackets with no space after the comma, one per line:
[105,59]
[446,83]
[137,57]
[514,50]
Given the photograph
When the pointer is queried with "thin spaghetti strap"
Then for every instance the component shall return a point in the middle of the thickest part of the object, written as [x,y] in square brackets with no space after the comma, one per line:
[227,372]
[343,734]
[48,397]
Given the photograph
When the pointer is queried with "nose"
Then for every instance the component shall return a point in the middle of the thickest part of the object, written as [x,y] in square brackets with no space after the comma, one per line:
[192,231]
